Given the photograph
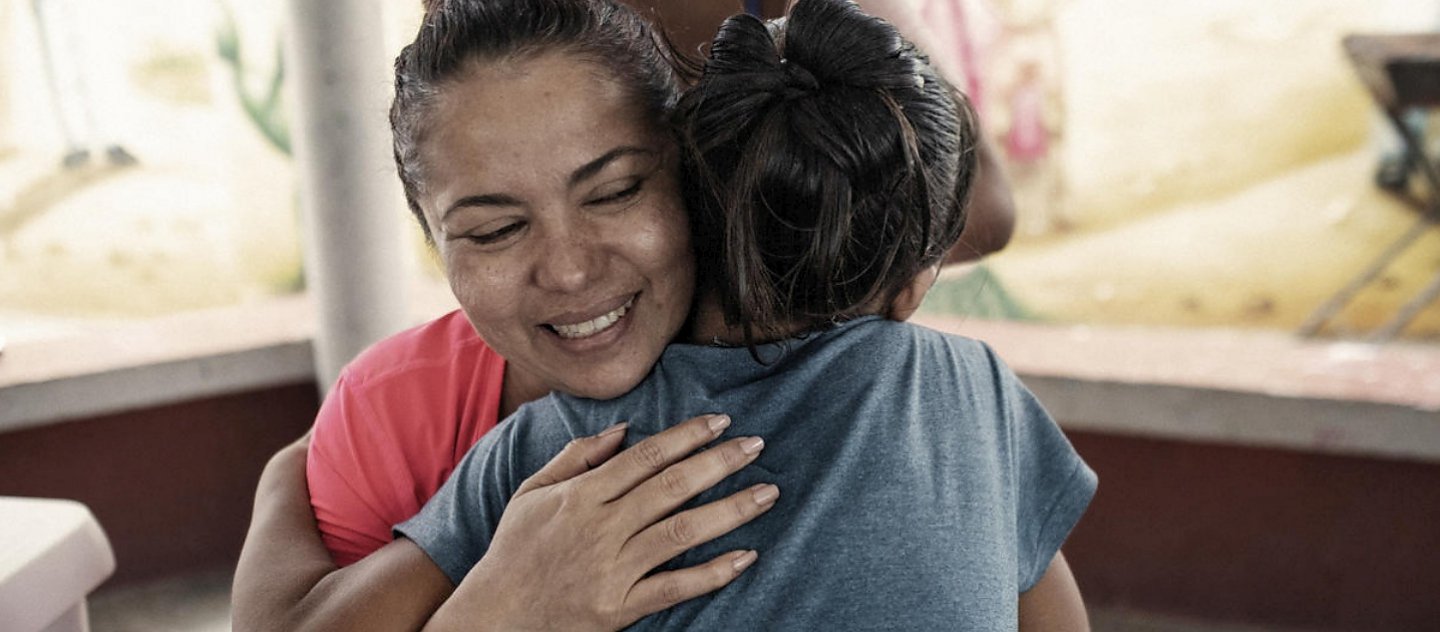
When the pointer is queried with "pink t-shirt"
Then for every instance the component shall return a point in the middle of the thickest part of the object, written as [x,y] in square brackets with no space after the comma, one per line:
[398,420]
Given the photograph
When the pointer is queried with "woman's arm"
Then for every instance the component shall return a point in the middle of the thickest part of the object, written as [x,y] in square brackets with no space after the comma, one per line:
[1054,603]
[991,217]
[283,557]
[286,580]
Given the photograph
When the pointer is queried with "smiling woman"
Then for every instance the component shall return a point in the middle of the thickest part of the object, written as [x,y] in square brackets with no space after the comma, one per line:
[562,234]
[533,142]
[546,181]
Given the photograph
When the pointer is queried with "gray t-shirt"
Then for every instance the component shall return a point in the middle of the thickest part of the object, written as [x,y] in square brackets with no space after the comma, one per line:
[921,485]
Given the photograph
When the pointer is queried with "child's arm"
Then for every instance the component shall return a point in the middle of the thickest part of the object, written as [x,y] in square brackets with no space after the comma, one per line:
[1053,488]
[1054,603]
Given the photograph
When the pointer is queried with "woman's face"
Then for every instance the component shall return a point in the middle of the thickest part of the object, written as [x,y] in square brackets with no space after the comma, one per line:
[555,206]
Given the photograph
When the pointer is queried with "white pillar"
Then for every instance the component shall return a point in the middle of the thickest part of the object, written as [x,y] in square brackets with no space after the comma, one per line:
[6,89]
[356,267]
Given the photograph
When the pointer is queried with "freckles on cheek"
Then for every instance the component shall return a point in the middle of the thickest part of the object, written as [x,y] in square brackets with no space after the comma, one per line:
[472,283]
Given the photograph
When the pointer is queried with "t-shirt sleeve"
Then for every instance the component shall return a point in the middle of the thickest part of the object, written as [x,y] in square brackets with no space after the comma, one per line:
[397,421]
[1053,486]
[456,526]
[350,513]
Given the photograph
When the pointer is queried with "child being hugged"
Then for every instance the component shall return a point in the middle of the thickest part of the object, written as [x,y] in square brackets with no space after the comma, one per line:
[827,168]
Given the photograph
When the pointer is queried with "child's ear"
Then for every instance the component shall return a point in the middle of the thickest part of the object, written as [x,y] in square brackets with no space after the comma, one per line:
[909,299]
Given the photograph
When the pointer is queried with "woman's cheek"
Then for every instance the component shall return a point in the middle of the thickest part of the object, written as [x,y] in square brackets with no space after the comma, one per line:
[669,231]
[474,283]
[682,252]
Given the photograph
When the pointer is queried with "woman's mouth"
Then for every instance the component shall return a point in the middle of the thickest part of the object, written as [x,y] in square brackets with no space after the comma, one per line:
[595,325]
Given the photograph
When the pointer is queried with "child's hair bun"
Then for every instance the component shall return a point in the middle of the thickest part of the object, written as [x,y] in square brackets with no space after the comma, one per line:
[827,164]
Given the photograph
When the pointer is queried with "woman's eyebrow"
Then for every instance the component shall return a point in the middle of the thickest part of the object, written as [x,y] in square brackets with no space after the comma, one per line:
[585,171]
[493,199]
[593,167]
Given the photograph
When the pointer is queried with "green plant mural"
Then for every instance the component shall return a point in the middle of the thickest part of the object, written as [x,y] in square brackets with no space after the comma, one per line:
[265,110]
[979,294]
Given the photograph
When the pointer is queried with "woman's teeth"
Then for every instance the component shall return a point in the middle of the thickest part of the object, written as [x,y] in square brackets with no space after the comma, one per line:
[592,327]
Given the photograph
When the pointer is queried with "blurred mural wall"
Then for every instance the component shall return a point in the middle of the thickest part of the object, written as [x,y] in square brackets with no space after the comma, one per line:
[1190,164]
[140,177]
[1174,164]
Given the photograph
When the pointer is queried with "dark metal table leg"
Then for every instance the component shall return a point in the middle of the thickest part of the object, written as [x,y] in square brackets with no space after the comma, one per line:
[1337,302]
[1408,312]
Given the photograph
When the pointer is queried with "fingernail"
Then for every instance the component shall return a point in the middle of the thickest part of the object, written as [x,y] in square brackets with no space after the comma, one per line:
[751,445]
[620,427]
[765,494]
[743,560]
[718,423]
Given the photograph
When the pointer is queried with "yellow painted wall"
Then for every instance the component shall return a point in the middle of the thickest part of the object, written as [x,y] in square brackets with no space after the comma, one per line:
[1217,162]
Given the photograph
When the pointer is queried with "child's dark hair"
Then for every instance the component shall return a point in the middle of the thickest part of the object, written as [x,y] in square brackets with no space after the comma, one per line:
[454,33]
[827,164]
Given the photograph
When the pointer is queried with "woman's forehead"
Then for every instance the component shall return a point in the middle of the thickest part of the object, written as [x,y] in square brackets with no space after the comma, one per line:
[554,67]
[536,121]
[532,93]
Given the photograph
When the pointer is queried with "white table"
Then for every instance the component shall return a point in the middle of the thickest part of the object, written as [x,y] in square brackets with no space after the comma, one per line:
[52,554]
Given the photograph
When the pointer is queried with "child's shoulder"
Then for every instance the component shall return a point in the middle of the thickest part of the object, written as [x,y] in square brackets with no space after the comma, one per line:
[886,332]
[558,417]
[887,342]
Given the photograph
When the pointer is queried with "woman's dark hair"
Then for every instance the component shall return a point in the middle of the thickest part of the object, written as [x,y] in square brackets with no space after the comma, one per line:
[456,33]
[826,164]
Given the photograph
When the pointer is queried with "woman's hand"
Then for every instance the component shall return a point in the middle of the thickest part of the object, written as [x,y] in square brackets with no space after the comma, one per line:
[575,546]
[571,551]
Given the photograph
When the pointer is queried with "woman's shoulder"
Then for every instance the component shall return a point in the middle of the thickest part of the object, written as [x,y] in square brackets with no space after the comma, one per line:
[447,343]
[409,407]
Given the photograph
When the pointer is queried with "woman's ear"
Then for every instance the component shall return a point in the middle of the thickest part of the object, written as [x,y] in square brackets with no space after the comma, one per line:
[908,300]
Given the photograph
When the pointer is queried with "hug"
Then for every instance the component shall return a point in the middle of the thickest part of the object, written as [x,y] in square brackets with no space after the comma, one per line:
[652,259]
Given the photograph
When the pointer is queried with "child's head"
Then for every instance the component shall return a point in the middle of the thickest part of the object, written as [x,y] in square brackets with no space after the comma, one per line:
[828,164]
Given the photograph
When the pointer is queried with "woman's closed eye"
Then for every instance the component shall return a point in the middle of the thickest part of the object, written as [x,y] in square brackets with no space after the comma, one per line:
[496,235]
[615,194]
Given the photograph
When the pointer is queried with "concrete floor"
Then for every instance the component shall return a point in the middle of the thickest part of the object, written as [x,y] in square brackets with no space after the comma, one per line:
[192,603]
[201,603]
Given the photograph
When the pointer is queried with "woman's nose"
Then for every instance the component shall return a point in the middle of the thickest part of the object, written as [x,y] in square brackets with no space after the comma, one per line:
[569,261]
